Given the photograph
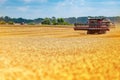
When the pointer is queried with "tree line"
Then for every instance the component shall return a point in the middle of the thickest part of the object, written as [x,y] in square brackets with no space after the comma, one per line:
[44,21]
[51,21]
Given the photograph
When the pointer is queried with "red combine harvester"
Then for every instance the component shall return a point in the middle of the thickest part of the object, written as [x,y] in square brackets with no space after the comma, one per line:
[94,26]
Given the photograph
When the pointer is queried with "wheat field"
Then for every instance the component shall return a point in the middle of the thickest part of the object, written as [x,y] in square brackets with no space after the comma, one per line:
[58,53]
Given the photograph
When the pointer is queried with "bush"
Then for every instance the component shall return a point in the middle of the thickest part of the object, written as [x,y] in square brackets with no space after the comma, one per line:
[2,22]
[11,22]
[31,23]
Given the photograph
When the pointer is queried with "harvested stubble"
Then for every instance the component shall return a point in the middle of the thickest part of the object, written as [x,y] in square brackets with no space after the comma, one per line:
[45,53]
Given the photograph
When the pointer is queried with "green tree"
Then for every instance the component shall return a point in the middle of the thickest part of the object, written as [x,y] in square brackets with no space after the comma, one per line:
[54,21]
[60,21]
[46,21]
[7,19]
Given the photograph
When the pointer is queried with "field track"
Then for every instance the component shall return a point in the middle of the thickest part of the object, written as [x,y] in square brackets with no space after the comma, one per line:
[58,53]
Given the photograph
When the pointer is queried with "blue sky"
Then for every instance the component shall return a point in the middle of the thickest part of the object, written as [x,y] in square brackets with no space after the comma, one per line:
[59,8]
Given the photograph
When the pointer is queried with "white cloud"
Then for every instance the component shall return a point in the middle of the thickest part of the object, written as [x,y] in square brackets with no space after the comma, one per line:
[68,8]
[72,3]
[23,8]
[2,1]
[111,2]
[28,1]
[72,8]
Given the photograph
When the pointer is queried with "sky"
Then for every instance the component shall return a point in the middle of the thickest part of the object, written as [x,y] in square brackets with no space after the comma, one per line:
[31,9]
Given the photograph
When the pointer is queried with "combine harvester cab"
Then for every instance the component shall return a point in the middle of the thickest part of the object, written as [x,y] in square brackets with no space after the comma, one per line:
[94,26]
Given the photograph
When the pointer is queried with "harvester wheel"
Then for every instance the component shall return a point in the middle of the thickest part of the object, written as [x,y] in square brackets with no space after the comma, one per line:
[90,32]
[101,32]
